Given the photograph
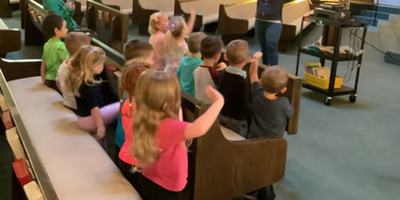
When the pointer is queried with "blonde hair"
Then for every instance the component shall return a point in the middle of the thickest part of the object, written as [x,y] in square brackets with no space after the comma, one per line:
[76,40]
[237,51]
[274,79]
[176,26]
[154,20]
[194,41]
[157,97]
[82,68]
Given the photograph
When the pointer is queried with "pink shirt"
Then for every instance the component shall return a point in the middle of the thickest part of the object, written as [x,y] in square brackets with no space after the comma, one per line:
[170,170]
[157,41]
[127,124]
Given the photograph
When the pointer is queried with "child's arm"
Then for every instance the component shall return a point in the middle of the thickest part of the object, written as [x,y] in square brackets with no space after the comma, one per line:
[201,125]
[191,20]
[43,71]
[254,67]
[98,120]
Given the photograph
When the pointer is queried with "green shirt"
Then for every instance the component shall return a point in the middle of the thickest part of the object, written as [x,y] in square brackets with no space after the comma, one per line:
[54,51]
[61,9]
[185,73]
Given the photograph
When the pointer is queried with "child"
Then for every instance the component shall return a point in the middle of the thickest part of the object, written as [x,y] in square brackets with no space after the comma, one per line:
[190,62]
[73,42]
[207,74]
[128,82]
[93,116]
[164,163]
[270,117]
[232,85]
[140,51]
[175,47]
[157,27]
[54,51]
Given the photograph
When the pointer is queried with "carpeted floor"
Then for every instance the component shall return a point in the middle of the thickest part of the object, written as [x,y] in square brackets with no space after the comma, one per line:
[346,151]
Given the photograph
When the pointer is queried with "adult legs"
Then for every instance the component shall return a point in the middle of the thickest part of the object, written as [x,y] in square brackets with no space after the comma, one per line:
[272,36]
[260,29]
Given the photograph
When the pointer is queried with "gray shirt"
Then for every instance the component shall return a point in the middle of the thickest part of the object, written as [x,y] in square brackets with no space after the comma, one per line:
[269,116]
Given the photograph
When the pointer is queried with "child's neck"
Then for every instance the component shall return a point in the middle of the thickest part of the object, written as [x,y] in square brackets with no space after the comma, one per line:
[56,37]
[239,66]
[270,96]
[195,55]
[159,32]
[180,39]
[208,62]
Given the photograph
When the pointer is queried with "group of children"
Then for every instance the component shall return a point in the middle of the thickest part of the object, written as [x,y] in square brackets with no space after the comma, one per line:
[151,135]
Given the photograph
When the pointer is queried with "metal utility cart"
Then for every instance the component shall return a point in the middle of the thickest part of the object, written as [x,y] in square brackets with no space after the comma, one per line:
[337,26]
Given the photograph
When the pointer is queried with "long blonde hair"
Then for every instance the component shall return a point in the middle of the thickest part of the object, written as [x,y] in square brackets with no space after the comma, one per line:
[82,68]
[157,97]
[176,27]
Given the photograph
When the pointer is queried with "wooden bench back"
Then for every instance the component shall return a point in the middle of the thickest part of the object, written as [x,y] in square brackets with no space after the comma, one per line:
[242,10]
[110,24]
[213,160]
[293,10]
[37,13]
[10,39]
[124,5]
[165,6]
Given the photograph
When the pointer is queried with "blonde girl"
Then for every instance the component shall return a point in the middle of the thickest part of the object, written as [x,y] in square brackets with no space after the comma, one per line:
[93,116]
[159,136]
[175,47]
[158,25]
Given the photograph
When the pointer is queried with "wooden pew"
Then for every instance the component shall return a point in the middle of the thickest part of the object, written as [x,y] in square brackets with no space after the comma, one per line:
[10,39]
[34,16]
[110,24]
[236,19]
[292,15]
[224,165]
[142,10]
[7,6]
[207,12]
[84,163]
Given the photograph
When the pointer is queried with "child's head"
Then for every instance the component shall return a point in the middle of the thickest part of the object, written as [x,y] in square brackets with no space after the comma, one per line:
[177,26]
[194,41]
[76,40]
[157,97]
[129,78]
[158,22]
[139,51]
[237,52]
[88,62]
[274,79]
[211,47]
[54,26]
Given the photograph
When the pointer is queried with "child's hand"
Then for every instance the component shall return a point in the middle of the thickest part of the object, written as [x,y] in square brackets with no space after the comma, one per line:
[254,63]
[70,5]
[213,94]
[101,132]
[256,56]
[192,11]
[221,66]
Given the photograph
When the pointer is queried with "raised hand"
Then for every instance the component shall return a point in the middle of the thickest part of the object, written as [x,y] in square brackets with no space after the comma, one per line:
[213,94]
[221,66]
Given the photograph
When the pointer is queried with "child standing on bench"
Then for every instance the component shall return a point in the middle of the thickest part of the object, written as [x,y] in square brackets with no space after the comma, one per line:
[54,51]
[207,73]
[232,85]
[175,47]
[272,113]
[158,25]
[164,163]
[93,115]
[73,42]
[190,62]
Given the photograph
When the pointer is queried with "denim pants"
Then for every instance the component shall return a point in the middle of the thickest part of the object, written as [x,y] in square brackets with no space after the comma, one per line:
[268,35]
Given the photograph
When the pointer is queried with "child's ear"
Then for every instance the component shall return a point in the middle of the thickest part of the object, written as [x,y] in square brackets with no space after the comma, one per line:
[217,57]
[283,90]
[247,59]
[226,57]
[164,106]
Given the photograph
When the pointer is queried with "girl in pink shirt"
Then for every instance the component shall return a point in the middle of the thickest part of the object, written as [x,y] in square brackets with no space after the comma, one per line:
[159,140]
[157,27]
[128,81]
[175,47]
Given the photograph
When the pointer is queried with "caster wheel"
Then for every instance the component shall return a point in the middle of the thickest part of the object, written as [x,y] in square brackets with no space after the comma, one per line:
[352,98]
[328,101]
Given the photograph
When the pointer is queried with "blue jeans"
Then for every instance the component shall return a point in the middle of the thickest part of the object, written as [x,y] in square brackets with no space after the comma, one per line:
[268,35]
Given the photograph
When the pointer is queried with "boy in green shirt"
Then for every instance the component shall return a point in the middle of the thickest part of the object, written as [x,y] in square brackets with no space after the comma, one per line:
[65,9]
[54,51]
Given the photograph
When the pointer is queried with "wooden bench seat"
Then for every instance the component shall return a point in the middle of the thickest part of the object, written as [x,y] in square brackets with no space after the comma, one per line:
[110,24]
[142,10]
[74,164]
[10,39]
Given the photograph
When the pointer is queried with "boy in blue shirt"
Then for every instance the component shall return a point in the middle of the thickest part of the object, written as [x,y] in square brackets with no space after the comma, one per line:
[190,62]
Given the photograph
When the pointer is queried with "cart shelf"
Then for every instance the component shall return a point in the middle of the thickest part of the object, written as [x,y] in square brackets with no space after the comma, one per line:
[330,56]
